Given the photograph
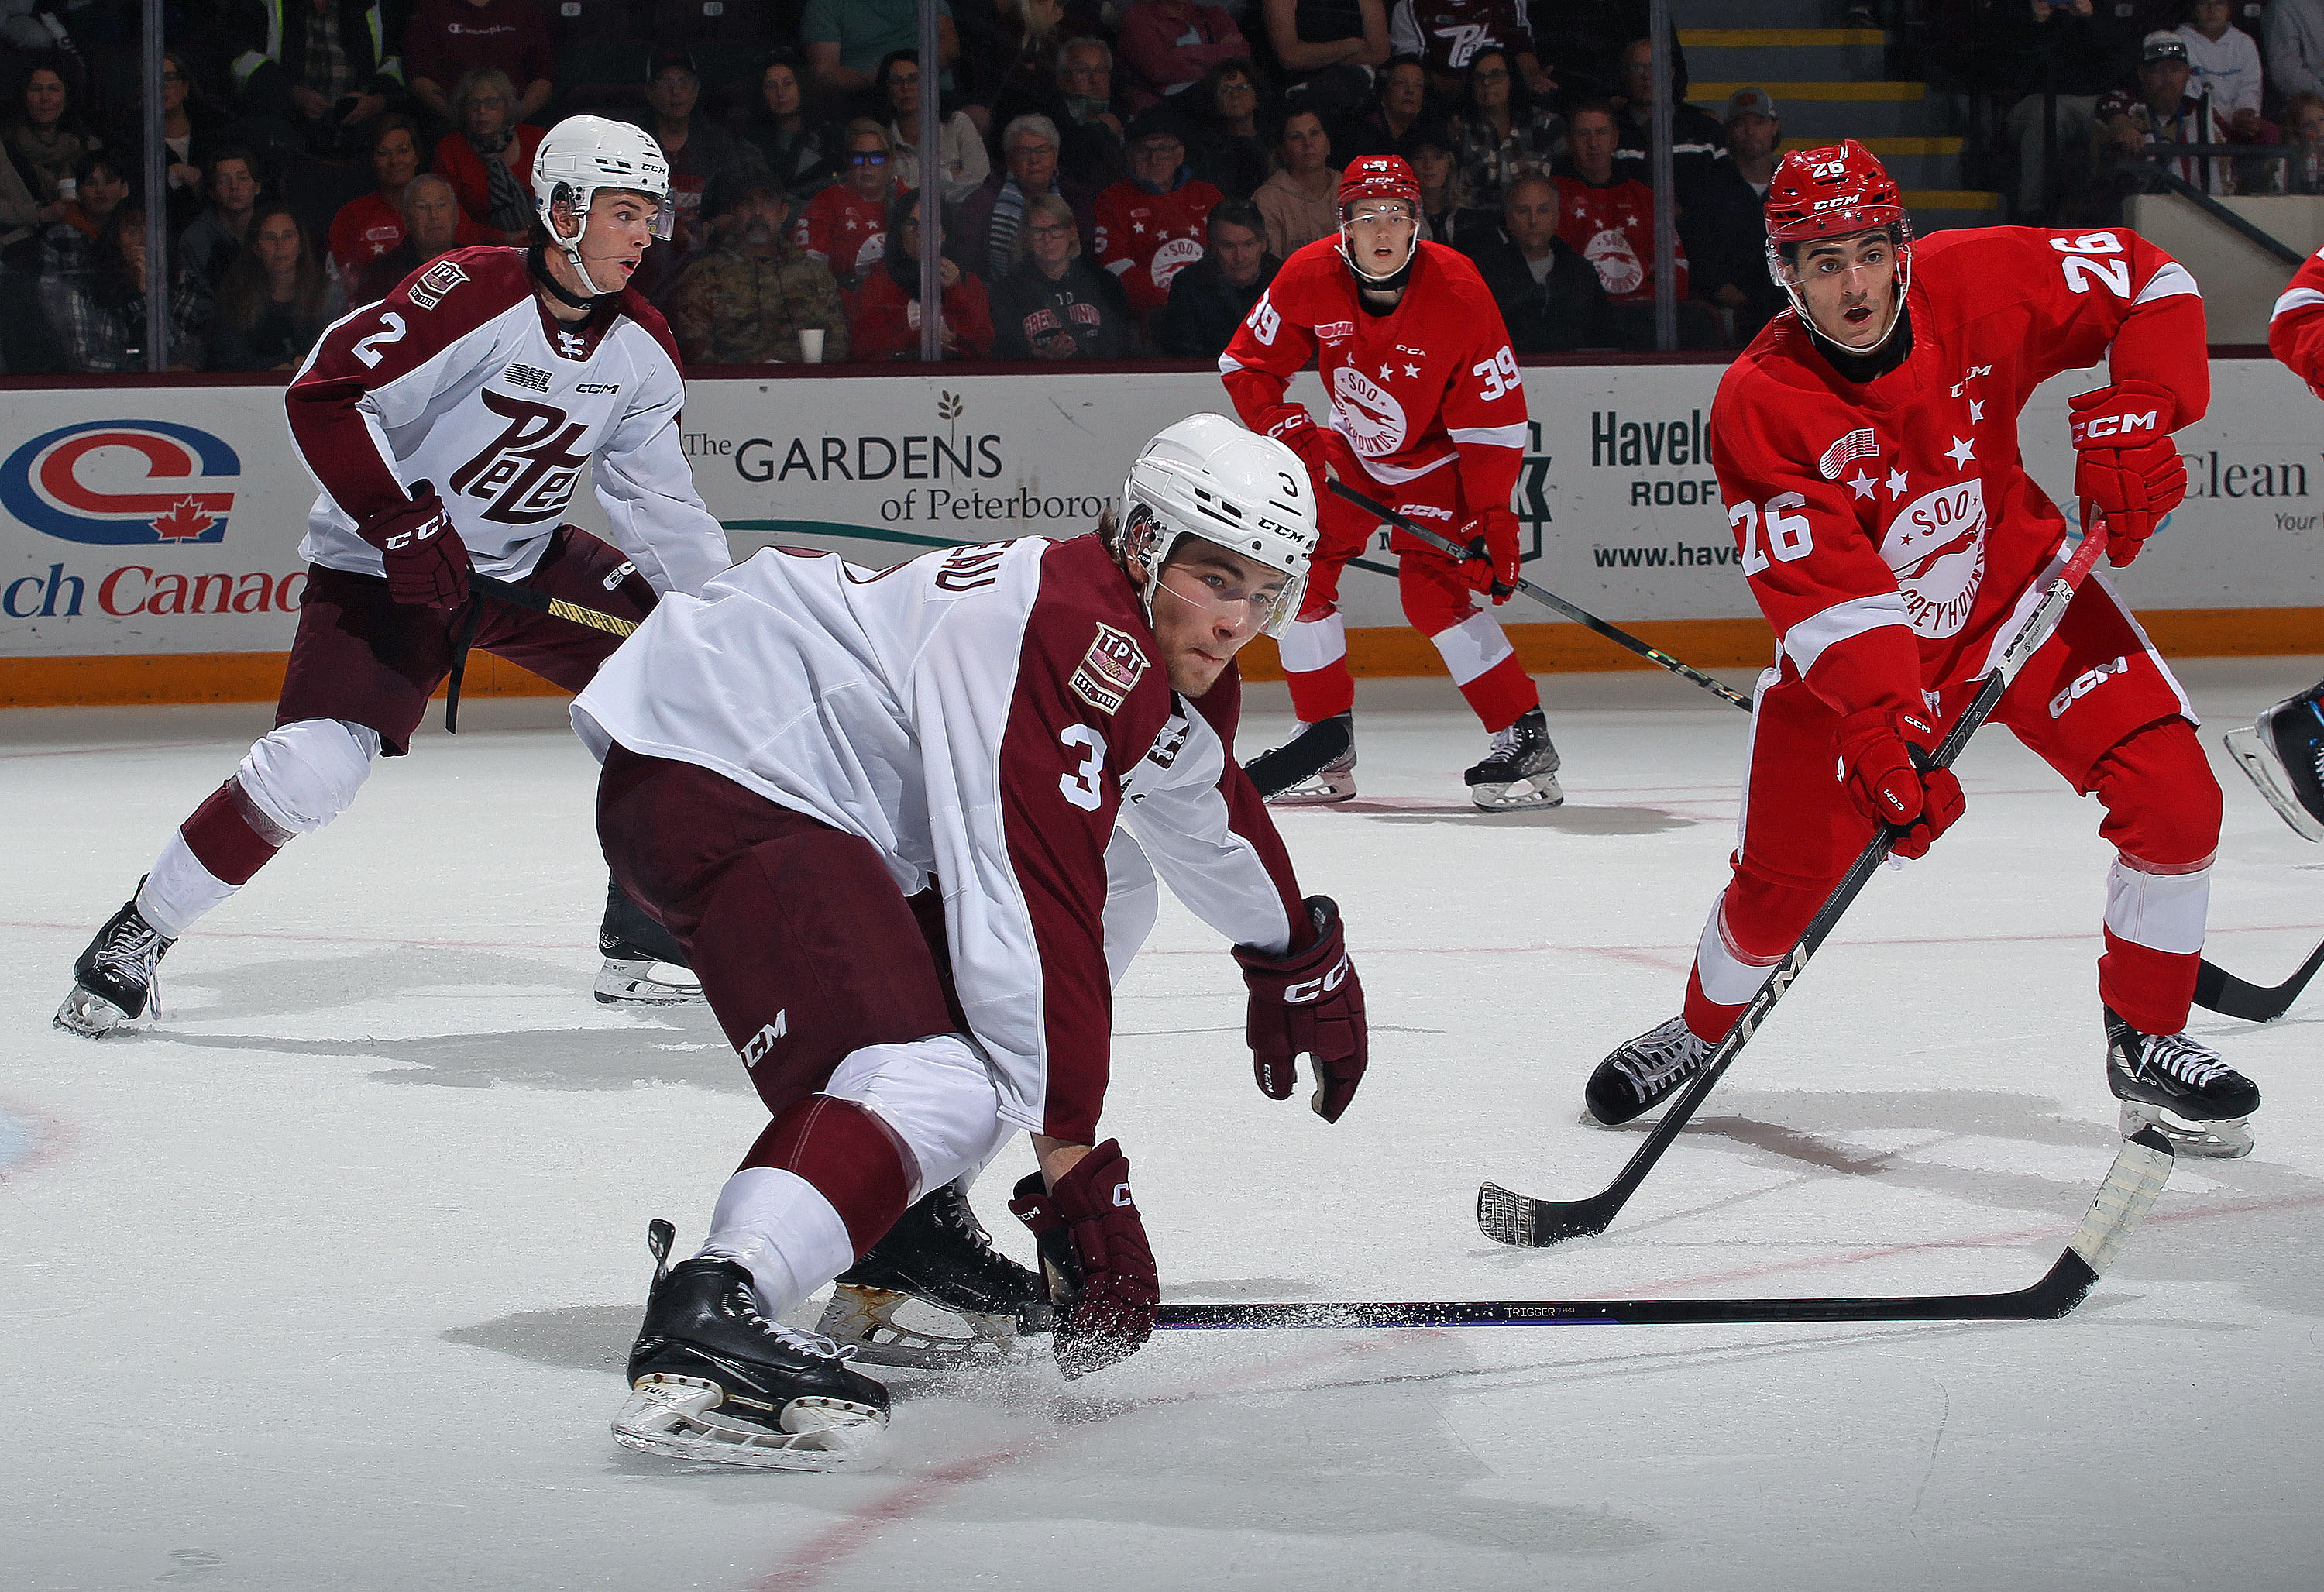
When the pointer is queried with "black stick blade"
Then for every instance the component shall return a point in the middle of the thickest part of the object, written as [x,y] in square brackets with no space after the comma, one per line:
[2219,990]
[1507,1217]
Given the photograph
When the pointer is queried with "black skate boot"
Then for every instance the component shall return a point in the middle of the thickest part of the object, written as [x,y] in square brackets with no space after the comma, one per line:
[639,956]
[2283,754]
[1639,1075]
[711,1378]
[113,980]
[1521,770]
[939,1254]
[1315,767]
[2151,1074]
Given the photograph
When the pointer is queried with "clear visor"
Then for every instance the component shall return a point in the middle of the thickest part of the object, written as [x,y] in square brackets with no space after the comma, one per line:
[1267,602]
[665,222]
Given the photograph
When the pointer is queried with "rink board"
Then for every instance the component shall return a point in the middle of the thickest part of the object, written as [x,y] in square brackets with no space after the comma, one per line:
[149,536]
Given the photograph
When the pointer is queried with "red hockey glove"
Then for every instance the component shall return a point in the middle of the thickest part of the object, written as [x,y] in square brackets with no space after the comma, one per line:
[1310,1003]
[1493,564]
[1876,764]
[1296,429]
[1100,1267]
[2126,467]
[426,561]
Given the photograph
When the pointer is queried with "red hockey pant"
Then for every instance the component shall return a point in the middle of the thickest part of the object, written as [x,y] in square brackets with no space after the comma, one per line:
[2097,705]
[1437,601]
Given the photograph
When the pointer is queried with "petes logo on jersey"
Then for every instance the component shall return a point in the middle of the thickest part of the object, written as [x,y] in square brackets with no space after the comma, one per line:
[1110,670]
[1367,413]
[1936,548]
[123,482]
[530,470]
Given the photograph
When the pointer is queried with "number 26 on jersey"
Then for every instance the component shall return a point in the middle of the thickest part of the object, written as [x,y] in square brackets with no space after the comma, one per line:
[1788,535]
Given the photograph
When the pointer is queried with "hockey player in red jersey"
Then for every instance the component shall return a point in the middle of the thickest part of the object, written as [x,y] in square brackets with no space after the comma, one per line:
[880,810]
[1867,450]
[1428,418]
[450,424]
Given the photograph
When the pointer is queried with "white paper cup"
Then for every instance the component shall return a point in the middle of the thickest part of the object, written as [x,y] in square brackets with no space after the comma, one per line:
[811,345]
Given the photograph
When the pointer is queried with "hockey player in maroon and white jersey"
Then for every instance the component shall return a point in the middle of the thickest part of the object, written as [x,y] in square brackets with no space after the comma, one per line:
[879,808]
[1867,452]
[1428,419]
[447,427]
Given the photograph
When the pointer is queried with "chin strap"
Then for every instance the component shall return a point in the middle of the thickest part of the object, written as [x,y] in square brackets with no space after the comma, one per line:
[536,262]
[1389,283]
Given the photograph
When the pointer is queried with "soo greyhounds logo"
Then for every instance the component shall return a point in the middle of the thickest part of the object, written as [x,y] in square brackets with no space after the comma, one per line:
[123,483]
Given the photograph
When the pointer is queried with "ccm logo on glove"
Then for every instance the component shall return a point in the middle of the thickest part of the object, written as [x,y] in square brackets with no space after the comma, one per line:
[1316,989]
[2117,425]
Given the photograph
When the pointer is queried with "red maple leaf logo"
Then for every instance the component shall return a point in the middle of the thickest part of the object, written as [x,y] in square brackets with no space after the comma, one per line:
[183,522]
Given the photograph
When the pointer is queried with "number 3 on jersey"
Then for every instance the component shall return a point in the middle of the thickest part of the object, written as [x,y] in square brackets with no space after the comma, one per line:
[1079,785]
[1788,535]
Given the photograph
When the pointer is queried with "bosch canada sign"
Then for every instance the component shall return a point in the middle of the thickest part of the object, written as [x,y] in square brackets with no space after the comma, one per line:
[123,483]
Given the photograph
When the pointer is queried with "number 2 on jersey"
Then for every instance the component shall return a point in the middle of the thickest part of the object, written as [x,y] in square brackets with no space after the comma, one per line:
[1079,785]
[1788,535]
[367,350]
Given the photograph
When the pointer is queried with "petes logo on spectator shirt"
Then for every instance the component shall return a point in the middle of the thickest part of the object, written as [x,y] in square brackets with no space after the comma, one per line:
[123,482]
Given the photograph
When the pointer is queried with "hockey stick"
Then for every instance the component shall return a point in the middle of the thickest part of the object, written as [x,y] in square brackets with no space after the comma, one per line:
[1620,638]
[2132,1183]
[2229,996]
[519,597]
[1510,1218]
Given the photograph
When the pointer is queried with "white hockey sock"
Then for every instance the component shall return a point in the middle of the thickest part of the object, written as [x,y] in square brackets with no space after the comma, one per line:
[180,889]
[780,1227]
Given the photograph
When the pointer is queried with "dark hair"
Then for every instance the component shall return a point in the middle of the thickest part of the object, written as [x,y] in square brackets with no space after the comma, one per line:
[786,58]
[90,160]
[1520,97]
[1204,97]
[888,63]
[1598,103]
[906,268]
[196,92]
[1240,213]
[111,282]
[386,122]
[231,151]
[1406,59]
[69,72]
[1283,125]
[243,293]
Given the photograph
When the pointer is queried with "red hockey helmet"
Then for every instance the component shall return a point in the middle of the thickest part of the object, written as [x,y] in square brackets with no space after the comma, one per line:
[1834,192]
[1379,177]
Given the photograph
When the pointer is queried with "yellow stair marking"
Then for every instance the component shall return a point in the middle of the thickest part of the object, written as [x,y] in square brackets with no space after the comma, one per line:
[1710,93]
[1776,37]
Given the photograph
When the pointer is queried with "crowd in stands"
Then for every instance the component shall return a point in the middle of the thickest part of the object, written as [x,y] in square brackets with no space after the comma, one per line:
[1120,177]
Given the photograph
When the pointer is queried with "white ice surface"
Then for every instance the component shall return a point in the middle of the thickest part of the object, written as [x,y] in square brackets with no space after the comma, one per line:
[325,1281]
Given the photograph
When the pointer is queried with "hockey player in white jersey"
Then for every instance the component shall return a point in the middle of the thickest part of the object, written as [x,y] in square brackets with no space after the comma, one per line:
[879,809]
[447,427]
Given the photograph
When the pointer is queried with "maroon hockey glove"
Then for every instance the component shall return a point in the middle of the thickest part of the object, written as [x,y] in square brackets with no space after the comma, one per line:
[426,561]
[2126,467]
[1296,431]
[1310,1003]
[1100,1267]
[1888,787]
[1493,564]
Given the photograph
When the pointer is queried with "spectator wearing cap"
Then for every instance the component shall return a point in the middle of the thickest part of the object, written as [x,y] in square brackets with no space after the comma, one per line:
[798,146]
[447,39]
[846,40]
[2162,111]
[1402,102]
[746,301]
[1053,305]
[1149,226]
[1550,295]
[432,225]
[1229,151]
[2078,48]
[1167,46]
[1301,201]
[487,158]
[845,226]
[1697,138]
[697,149]
[2293,40]
[1210,298]
[1726,227]
[1447,215]
[960,145]
[1504,133]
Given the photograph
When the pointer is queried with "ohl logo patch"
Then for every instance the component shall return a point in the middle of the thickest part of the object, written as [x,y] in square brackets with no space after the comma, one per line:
[123,483]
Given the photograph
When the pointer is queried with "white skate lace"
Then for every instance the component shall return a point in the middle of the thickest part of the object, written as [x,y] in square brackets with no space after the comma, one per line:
[2183,1059]
[814,1343]
[1661,1054]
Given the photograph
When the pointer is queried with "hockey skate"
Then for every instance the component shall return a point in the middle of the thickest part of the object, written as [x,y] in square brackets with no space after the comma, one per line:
[2152,1073]
[1521,770]
[939,1255]
[113,978]
[713,1379]
[1639,1076]
[644,963]
[2283,754]
[1313,768]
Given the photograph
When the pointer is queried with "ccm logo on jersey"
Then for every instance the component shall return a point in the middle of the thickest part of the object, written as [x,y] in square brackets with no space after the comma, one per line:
[1316,989]
[2118,425]
[763,1043]
[2085,683]
[1109,671]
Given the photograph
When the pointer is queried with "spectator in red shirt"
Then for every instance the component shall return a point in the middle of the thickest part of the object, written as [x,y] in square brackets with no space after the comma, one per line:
[489,160]
[448,38]
[431,226]
[1610,222]
[884,322]
[845,226]
[1150,227]
[368,227]
[1168,44]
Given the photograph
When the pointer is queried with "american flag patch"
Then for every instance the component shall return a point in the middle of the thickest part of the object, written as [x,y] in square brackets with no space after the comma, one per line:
[1856,445]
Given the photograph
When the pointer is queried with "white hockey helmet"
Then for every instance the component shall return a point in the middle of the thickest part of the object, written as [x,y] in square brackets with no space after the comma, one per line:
[1206,476]
[582,154]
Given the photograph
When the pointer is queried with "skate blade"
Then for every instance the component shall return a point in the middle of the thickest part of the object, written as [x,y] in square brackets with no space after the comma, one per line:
[678,1419]
[1540,791]
[865,1318]
[86,1013]
[1321,791]
[633,984]
[2228,1138]
[2260,765]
